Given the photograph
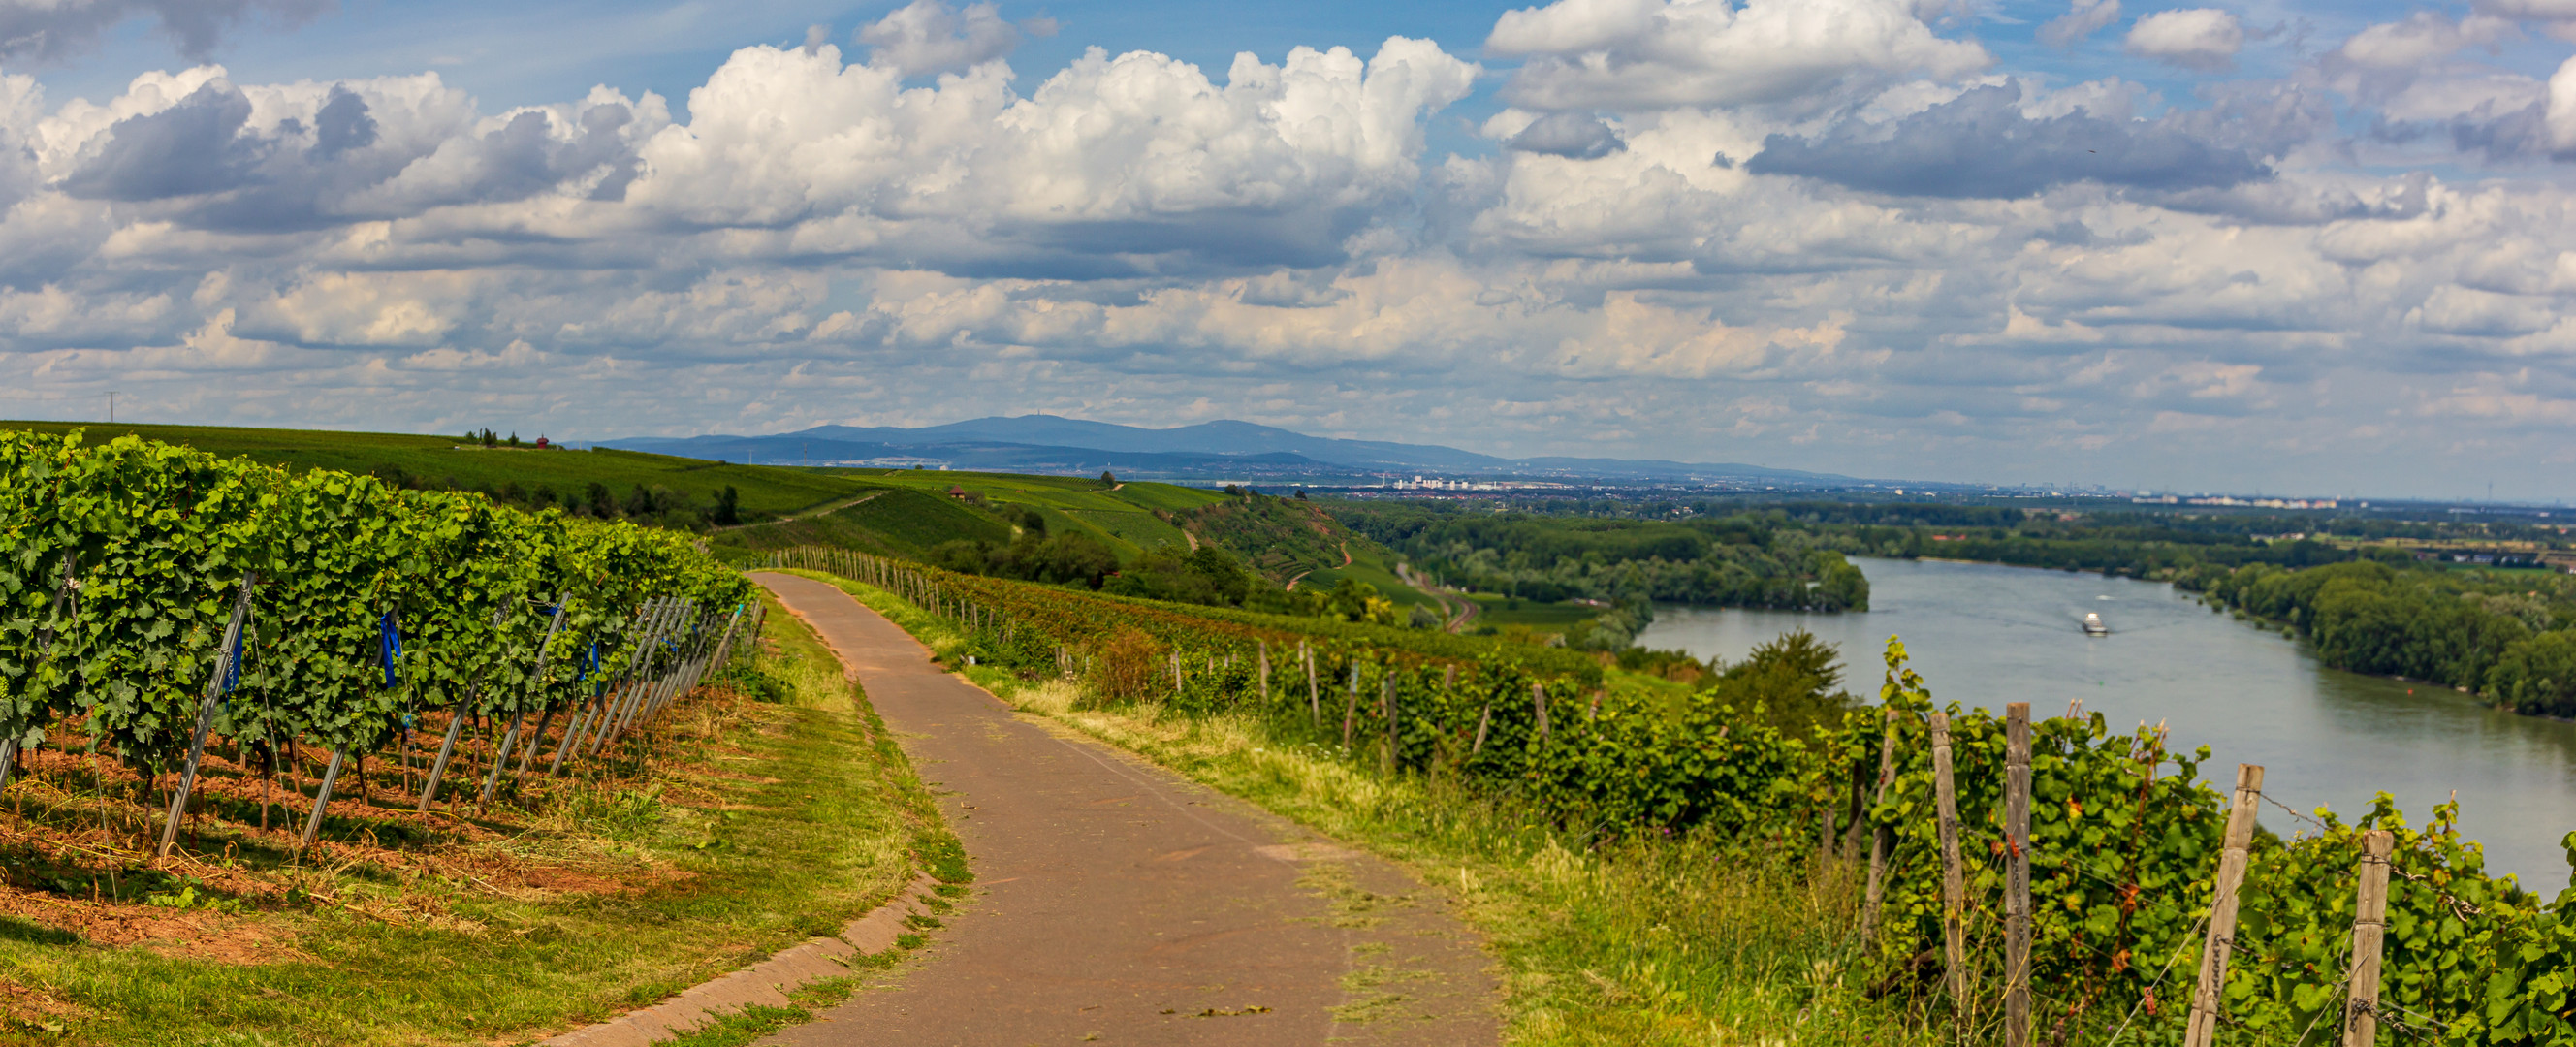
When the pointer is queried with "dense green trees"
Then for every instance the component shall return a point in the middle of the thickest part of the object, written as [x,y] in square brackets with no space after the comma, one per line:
[1206,575]
[2538,675]
[1750,560]
[2505,635]
[1032,555]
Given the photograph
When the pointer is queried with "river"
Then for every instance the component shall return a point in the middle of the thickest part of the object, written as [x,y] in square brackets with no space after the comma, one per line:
[1984,635]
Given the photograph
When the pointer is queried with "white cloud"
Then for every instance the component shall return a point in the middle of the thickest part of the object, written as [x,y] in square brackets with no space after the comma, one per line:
[2203,38]
[2560,115]
[1618,54]
[2423,37]
[2083,18]
[1136,237]
[927,36]
[1120,147]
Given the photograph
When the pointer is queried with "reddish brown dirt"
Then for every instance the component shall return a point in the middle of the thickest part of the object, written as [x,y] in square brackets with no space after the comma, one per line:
[72,844]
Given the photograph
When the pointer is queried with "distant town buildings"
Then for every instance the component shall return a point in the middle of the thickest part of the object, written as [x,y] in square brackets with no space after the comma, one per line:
[1434,483]
[2250,503]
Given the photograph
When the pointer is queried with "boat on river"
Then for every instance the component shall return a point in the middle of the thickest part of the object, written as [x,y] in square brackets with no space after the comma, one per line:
[2093,624]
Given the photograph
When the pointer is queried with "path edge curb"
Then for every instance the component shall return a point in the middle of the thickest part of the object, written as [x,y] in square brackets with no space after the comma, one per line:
[763,984]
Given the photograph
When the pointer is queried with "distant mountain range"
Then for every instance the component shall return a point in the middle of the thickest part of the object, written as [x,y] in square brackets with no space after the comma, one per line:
[1224,450]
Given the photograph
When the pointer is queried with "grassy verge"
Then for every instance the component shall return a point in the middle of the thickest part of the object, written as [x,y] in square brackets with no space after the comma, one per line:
[752,818]
[1602,941]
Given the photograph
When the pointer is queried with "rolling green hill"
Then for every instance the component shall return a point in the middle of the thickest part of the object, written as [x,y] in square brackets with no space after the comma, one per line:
[445,461]
[891,512]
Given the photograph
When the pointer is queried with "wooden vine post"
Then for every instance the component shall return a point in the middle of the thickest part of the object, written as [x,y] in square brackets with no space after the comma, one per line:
[1881,841]
[1314,696]
[1538,701]
[1263,669]
[2017,874]
[2369,926]
[1351,709]
[1386,705]
[2221,942]
[536,686]
[446,749]
[1954,885]
[322,797]
[216,685]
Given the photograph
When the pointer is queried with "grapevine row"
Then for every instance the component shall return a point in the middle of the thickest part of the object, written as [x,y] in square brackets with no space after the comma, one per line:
[158,595]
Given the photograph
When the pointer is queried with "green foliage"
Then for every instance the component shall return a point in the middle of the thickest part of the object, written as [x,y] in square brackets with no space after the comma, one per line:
[2537,676]
[1034,556]
[1206,575]
[2459,629]
[119,562]
[1792,682]
[1279,537]
[1736,561]
[1352,600]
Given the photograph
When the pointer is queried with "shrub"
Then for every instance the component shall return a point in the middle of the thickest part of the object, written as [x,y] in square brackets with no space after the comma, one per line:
[1128,664]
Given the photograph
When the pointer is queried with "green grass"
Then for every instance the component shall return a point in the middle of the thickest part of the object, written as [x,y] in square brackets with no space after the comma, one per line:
[1280,537]
[765,491]
[916,513]
[781,823]
[1600,941]
[1373,564]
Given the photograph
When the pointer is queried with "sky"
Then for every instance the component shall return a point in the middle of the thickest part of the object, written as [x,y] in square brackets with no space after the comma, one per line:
[2300,248]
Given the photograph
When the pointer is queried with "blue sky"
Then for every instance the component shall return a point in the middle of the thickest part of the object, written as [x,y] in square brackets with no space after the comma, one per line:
[2320,248]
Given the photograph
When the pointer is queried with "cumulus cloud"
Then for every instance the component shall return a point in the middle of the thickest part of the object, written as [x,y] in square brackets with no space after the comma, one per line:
[2559,115]
[2202,38]
[2421,38]
[1982,145]
[2083,18]
[193,147]
[1666,241]
[48,30]
[1114,164]
[20,104]
[1577,136]
[1619,54]
[928,36]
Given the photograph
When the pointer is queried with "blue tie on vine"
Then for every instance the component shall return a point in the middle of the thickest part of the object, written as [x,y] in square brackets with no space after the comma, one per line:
[232,666]
[389,646]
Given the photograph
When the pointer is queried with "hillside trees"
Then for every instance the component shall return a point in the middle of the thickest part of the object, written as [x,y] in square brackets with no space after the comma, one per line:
[1738,561]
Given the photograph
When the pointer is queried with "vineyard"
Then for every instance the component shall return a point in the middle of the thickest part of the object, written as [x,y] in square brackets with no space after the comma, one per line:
[2020,880]
[153,598]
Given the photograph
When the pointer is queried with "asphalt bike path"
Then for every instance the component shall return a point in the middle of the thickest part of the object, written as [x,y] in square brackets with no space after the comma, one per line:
[1117,903]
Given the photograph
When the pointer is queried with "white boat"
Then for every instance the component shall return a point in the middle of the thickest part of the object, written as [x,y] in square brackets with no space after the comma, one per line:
[2093,625]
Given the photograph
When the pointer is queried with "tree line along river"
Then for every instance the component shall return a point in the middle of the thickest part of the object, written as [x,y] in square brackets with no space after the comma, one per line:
[1985,635]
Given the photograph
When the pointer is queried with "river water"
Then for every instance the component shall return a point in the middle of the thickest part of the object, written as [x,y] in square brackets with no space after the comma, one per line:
[1983,635]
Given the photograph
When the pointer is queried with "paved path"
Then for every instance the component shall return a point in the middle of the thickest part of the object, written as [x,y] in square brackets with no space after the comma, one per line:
[1116,903]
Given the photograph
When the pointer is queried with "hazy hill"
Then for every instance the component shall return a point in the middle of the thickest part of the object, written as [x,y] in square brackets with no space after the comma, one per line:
[1207,450]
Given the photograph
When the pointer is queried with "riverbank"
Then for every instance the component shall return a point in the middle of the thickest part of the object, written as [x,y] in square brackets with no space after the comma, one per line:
[1985,635]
